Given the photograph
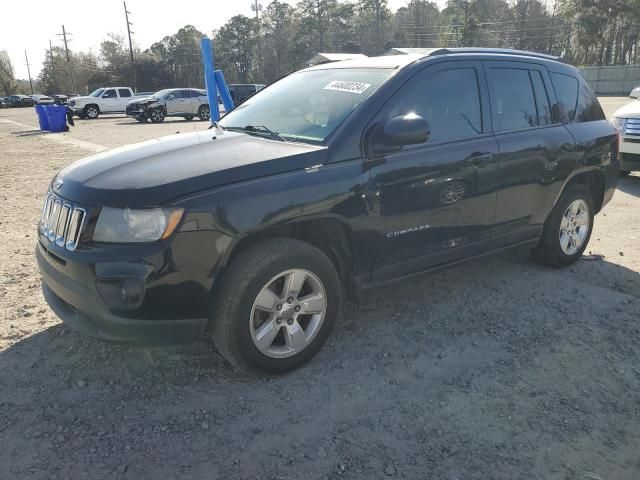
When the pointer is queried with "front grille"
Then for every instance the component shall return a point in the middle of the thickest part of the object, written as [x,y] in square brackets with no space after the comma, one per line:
[61,222]
[632,126]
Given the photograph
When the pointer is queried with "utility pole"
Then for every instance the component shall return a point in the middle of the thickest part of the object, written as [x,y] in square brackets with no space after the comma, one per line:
[28,71]
[129,32]
[257,7]
[66,49]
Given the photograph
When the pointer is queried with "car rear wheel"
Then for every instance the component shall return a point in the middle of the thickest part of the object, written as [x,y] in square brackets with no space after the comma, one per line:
[276,306]
[568,229]
[91,112]
[204,113]
[157,115]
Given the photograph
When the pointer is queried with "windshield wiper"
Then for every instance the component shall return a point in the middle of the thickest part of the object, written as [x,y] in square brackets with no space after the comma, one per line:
[258,129]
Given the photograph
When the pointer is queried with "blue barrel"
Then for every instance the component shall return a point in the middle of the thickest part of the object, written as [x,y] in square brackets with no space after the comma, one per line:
[57,115]
[42,118]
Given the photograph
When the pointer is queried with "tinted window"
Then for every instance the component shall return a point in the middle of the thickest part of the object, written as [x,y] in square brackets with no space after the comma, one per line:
[589,108]
[566,88]
[512,99]
[197,93]
[124,92]
[449,100]
[109,94]
[542,99]
[175,94]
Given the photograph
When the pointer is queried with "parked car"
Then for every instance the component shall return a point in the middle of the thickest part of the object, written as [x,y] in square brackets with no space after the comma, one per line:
[17,101]
[60,99]
[102,101]
[335,179]
[42,99]
[241,91]
[635,93]
[172,102]
[627,121]
[4,102]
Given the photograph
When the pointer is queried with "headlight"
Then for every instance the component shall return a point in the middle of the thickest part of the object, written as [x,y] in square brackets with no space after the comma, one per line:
[618,123]
[127,225]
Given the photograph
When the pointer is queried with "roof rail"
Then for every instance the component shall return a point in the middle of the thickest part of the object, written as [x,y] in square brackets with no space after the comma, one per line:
[503,51]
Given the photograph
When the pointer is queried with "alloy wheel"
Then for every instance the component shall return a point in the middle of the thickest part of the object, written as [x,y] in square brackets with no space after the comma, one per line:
[574,227]
[288,313]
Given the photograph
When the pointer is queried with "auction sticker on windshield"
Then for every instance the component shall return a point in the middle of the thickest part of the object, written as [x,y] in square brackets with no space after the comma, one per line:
[346,86]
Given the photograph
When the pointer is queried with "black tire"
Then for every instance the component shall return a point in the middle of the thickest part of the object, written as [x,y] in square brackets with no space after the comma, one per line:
[188,117]
[549,250]
[204,112]
[91,112]
[624,173]
[157,115]
[240,285]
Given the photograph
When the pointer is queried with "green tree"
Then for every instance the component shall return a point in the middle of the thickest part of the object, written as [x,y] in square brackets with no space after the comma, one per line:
[235,43]
[8,84]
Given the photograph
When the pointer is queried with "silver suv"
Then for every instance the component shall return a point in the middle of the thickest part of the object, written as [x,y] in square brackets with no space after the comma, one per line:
[172,102]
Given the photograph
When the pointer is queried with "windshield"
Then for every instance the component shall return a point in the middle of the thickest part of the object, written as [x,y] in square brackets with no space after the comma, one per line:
[307,106]
[162,93]
[97,92]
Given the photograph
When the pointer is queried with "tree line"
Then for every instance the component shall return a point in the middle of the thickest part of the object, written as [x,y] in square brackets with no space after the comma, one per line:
[282,37]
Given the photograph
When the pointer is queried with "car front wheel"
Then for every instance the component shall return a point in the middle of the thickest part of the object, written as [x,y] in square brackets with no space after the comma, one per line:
[276,306]
[568,229]
[91,112]
[157,115]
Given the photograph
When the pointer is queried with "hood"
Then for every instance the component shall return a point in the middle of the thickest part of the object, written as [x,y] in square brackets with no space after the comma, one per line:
[143,100]
[630,110]
[155,172]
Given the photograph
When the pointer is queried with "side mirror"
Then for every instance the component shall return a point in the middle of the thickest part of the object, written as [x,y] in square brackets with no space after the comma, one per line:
[171,97]
[399,131]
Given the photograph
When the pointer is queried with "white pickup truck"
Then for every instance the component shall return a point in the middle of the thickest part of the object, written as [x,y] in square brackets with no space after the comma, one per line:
[102,100]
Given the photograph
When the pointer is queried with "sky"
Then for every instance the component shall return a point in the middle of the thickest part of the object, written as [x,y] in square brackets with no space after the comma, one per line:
[89,22]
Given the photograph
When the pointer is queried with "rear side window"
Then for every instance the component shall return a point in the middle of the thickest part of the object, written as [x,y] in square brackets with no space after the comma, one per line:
[124,92]
[566,88]
[542,99]
[512,101]
[449,100]
[589,109]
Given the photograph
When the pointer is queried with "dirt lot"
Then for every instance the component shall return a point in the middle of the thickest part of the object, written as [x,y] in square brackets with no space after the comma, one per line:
[496,369]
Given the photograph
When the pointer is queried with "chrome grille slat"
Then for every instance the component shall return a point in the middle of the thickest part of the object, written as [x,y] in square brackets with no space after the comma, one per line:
[632,126]
[62,223]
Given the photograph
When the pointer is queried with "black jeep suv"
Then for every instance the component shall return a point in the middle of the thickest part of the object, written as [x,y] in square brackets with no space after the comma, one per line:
[334,179]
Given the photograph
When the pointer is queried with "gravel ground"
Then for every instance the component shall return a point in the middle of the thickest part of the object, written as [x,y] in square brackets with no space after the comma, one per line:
[496,369]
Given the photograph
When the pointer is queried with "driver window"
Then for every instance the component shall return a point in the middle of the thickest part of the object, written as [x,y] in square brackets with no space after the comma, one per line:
[109,94]
[449,100]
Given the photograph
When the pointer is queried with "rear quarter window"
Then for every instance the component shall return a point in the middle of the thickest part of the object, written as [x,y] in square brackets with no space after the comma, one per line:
[589,109]
[566,88]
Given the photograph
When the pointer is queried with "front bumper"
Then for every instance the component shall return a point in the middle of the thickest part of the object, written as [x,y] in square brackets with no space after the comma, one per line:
[70,290]
[136,110]
[630,161]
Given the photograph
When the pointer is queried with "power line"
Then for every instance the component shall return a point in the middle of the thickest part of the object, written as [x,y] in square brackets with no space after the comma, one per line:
[129,32]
